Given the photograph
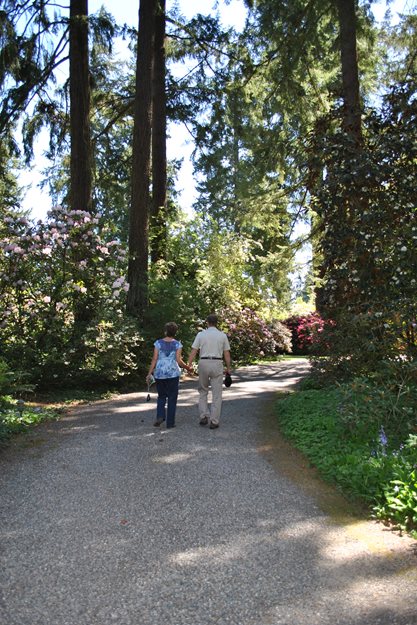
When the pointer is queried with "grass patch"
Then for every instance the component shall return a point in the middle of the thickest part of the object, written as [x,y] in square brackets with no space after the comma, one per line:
[360,463]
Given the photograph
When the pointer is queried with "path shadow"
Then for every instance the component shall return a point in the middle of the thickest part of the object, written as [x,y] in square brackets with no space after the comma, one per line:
[126,524]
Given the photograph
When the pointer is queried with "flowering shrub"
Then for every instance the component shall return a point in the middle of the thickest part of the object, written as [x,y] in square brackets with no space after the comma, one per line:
[282,337]
[366,212]
[251,337]
[306,331]
[61,283]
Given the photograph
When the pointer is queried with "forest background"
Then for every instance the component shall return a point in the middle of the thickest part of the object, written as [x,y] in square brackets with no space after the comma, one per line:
[305,115]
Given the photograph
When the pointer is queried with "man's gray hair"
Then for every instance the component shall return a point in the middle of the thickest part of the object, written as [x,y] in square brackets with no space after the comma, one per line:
[212,320]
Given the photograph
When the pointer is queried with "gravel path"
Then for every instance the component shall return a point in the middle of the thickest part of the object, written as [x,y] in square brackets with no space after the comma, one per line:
[106,520]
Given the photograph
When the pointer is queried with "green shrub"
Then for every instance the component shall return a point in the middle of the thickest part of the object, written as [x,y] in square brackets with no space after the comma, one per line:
[13,382]
[387,398]
[358,345]
[365,463]
[5,378]
[397,503]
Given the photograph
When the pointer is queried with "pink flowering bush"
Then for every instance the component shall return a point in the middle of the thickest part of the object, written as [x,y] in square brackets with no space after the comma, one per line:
[306,332]
[251,337]
[62,290]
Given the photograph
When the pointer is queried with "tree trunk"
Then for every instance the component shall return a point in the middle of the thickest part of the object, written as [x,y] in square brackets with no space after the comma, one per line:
[159,138]
[137,300]
[81,161]
[350,73]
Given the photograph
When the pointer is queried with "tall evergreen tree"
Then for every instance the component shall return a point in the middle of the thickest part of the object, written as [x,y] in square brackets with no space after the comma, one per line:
[350,71]
[33,44]
[81,158]
[159,139]
[137,301]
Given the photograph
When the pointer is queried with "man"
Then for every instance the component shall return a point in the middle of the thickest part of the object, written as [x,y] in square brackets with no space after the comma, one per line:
[213,346]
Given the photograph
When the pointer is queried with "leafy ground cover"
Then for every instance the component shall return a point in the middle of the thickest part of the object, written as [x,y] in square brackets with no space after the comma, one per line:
[17,416]
[363,463]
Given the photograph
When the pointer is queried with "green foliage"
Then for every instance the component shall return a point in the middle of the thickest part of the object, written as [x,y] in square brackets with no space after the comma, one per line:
[16,417]
[13,382]
[364,462]
[387,398]
[398,44]
[5,378]
[32,49]
[398,504]
[204,271]
[365,208]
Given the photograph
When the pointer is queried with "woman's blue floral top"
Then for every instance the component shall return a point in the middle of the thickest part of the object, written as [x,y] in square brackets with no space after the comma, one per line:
[167,366]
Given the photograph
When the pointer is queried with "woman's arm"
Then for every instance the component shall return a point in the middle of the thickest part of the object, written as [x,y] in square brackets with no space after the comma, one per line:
[180,361]
[153,363]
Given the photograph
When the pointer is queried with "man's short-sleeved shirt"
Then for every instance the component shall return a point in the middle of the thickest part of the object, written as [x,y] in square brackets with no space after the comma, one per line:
[211,343]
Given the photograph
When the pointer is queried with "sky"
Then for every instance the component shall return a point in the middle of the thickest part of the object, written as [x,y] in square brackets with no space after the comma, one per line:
[179,143]
[126,11]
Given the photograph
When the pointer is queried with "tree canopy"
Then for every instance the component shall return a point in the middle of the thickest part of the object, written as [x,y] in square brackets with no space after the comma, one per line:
[306,115]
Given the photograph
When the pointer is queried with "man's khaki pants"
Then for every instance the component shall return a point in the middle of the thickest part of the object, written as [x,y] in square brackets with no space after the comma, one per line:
[210,373]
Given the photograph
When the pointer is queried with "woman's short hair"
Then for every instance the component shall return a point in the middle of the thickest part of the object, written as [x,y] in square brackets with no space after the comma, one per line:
[171,329]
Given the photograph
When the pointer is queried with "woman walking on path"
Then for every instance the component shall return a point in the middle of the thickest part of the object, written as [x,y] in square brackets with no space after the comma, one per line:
[166,363]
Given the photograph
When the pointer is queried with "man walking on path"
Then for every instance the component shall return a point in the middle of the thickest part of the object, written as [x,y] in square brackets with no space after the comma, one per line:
[213,346]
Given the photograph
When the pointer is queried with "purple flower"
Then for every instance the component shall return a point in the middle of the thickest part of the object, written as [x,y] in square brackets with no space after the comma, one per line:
[383,437]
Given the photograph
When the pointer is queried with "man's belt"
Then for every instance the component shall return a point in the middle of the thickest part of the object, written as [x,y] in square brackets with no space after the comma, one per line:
[210,358]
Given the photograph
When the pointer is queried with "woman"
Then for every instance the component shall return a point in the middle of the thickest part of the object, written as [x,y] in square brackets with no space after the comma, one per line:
[165,366]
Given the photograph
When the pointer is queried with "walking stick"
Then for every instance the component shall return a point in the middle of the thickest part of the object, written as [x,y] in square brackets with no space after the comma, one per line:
[150,382]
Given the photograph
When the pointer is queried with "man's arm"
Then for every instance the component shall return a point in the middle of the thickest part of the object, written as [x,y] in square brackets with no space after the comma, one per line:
[193,354]
[180,361]
[227,359]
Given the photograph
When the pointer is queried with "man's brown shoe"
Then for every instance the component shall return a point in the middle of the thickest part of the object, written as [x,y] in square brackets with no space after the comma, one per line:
[213,426]
[158,422]
[204,421]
